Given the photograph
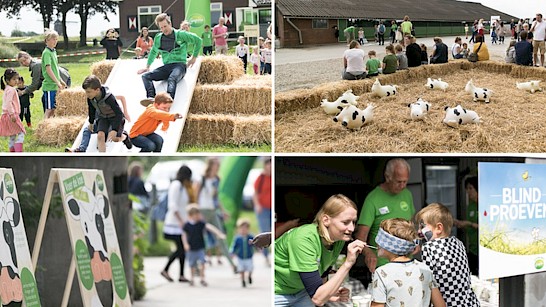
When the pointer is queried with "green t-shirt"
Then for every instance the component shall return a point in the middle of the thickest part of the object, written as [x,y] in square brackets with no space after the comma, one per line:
[391,63]
[471,232]
[207,39]
[379,206]
[372,65]
[350,29]
[49,57]
[301,250]
[406,27]
[394,27]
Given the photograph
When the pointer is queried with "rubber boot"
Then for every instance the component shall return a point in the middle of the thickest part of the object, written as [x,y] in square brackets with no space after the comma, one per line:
[11,149]
[18,147]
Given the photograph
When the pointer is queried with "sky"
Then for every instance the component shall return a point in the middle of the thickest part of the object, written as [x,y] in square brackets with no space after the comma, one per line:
[31,21]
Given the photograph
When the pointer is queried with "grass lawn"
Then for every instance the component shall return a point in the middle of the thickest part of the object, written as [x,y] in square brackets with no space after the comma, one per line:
[79,68]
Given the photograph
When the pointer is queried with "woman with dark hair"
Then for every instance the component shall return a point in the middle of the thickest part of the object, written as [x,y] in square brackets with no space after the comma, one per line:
[136,186]
[180,194]
[480,48]
[145,42]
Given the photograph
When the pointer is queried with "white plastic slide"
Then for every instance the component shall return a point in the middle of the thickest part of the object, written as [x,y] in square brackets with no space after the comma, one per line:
[124,81]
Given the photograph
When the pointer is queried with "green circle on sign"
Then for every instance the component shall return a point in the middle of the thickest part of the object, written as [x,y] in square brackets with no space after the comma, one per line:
[539,263]
[83,262]
[100,182]
[196,20]
[118,275]
[8,181]
[30,290]
[404,206]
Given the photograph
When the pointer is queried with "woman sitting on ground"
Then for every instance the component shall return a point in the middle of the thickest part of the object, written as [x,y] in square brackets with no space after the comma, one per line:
[353,62]
[483,53]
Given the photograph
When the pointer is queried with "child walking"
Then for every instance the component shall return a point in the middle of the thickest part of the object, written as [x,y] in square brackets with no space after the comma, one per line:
[24,99]
[242,51]
[10,122]
[194,241]
[446,256]
[243,250]
[110,118]
[206,36]
[255,60]
[266,57]
[143,131]
[403,281]
[50,71]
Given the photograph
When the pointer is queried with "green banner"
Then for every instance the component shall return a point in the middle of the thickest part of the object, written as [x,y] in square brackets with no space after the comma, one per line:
[198,15]
[73,183]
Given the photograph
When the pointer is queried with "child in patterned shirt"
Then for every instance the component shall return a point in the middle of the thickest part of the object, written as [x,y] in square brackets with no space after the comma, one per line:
[403,281]
[446,256]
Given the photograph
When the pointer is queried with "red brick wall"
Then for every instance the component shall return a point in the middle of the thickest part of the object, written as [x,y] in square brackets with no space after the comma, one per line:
[310,36]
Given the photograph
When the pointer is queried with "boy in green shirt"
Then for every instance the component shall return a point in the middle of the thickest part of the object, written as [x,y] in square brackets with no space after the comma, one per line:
[390,62]
[372,65]
[50,71]
[207,41]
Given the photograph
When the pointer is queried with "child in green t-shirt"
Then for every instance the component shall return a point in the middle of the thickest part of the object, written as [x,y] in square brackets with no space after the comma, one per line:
[390,62]
[50,71]
[207,41]
[372,65]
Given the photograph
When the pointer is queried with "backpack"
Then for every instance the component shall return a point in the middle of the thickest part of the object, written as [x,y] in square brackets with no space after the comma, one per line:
[159,211]
[381,29]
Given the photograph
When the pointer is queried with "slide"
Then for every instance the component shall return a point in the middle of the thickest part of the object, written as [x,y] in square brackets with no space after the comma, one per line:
[124,81]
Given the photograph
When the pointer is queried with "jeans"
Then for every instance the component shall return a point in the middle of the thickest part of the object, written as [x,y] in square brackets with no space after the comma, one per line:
[150,143]
[173,73]
[264,221]
[300,299]
[86,136]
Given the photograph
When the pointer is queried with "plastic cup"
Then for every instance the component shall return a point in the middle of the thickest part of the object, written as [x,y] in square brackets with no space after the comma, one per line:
[356,301]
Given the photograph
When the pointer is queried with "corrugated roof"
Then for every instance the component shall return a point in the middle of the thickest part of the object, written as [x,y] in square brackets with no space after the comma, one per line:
[417,10]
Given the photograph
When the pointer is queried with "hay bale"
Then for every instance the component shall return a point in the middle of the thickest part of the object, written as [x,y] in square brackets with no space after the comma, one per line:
[58,131]
[220,69]
[495,67]
[102,69]
[296,100]
[226,129]
[247,95]
[71,102]
[512,122]
[528,72]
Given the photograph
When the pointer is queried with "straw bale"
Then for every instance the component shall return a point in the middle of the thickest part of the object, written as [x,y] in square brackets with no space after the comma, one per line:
[71,102]
[528,72]
[247,95]
[512,122]
[59,131]
[226,129]
[220,69]
[296,100]
[495,67]
[102,69]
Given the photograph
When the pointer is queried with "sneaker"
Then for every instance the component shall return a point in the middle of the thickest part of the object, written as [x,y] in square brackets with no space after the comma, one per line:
[146,102]
[68,149]
[127,141]
[183,279]
[250,280]
[166,275]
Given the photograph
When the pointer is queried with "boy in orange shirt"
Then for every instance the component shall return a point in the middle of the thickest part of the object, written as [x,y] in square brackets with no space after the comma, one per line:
[142,133]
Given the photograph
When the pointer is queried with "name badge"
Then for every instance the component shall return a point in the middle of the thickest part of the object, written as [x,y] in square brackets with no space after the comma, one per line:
[384,210]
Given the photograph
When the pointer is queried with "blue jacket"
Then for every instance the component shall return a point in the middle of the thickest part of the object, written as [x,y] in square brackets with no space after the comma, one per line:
[241,247]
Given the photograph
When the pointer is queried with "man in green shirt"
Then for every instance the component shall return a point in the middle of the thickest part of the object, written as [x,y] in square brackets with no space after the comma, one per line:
[206,36]
[349,33]
[172,45]
[391,199]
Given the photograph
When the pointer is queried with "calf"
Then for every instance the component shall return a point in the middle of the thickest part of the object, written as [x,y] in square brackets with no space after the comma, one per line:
[478,93]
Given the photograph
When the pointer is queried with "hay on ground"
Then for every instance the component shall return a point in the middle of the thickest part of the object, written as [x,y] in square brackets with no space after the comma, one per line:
[71,102]
[58,131]
[102,69]
[247,95]
[226,129]
[512,122]
[220,69]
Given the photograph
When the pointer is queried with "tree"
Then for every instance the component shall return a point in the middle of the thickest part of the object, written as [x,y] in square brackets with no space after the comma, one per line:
[44,7]
[88,8]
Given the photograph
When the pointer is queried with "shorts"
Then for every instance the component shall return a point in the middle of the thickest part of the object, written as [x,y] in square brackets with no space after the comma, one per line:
[49,100]
[221,49]
[195,257]
[244,265]
[207,50]
[107,124]
[538,45]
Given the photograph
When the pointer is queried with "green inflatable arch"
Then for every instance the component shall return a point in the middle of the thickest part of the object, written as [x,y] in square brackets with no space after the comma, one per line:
[233,173]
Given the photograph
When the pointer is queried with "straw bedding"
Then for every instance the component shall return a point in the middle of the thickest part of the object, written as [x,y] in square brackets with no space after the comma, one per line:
[512,122]
[71,102]
[222,129]
[246,95]
[102,69]
[58,131]
[220,69]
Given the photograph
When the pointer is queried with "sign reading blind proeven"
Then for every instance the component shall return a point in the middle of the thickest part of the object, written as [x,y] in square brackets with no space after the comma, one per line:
[17,281]
[512,208]
[252,30]
[92,234]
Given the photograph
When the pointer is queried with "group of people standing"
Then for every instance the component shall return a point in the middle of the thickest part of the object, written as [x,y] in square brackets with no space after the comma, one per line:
[385,233]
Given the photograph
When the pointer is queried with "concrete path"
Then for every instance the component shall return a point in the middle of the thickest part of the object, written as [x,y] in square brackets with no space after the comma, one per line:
[224,287]
[335,51]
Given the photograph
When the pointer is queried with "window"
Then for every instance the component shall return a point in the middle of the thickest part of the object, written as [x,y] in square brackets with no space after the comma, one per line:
[320,24]
[216,11]
[146,17]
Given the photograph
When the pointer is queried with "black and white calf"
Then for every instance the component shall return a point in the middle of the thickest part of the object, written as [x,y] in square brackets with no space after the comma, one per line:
[460,116]
[478,93]
[353,118]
